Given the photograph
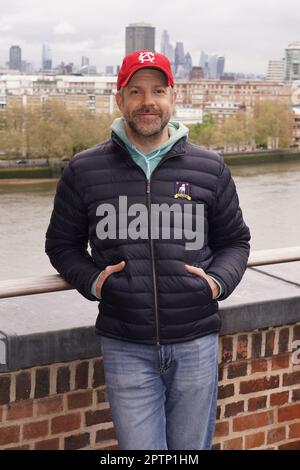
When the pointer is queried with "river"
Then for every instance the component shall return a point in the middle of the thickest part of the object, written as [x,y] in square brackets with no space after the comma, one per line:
[269,196]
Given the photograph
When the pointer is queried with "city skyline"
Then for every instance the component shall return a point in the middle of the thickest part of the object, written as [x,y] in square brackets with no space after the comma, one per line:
[247,38]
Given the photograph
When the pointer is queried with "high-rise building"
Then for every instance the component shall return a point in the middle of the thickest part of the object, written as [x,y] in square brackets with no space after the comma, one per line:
[65,69]
[188,65]
[140,36]
[275,71]
[46,57]
[220,66]
[109,70]
[26,67]
[165,42]
[166,47]
[213,65]
[179,54]
[292,59]
[15,58]
[203,60]
[88,70]
[85,61]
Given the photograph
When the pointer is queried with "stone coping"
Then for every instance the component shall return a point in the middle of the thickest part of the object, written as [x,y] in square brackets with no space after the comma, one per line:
[57,327]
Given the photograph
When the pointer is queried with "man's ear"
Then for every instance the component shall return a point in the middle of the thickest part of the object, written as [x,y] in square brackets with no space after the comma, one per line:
[119,100]
[174,97]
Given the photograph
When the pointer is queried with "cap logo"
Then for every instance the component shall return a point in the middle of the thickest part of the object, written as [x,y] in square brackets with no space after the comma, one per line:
[146,57]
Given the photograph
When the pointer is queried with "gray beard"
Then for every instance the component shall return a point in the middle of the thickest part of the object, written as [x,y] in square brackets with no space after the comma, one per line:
[138,132]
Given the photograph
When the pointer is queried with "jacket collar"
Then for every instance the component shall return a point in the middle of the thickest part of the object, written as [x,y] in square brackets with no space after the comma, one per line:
[178,149]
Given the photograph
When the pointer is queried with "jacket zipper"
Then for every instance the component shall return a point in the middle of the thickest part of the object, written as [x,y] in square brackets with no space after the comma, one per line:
[148,190]
[153,263]
[154,279]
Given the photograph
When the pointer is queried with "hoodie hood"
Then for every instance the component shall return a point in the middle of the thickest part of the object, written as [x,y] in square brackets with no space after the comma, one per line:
[148,161]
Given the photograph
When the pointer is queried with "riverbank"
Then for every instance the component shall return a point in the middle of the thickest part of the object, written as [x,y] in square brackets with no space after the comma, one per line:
[26,173]
[55,168]
[250,158]
[12,181]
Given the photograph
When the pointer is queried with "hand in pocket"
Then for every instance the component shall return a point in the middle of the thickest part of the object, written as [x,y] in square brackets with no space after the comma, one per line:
[114,268]
[200,272]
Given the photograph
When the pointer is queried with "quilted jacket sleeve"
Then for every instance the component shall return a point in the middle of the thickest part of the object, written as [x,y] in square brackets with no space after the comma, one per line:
[67,236]
[228,236]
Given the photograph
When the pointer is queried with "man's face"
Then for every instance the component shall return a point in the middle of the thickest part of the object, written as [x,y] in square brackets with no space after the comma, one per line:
[147,102]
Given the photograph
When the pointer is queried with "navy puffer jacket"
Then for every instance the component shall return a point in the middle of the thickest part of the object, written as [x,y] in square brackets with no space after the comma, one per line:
[154,299]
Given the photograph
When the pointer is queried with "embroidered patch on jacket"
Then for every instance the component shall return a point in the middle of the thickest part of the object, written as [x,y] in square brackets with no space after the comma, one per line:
[182,189]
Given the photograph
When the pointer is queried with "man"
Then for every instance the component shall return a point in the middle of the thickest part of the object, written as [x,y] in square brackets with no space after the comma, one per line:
[158,314]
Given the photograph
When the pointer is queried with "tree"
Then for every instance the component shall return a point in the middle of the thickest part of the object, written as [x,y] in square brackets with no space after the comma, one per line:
[11,130]
[235,132]
[271,123]
[204,133]
[87,129]
[47,129]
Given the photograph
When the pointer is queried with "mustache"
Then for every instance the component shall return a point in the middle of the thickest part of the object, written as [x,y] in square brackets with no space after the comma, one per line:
[147,111]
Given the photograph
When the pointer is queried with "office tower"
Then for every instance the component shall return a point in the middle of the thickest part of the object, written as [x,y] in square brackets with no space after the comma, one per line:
[109,70]
[26,67]
[275,71]
[65,69]
[140,36]
[85,61]
[46,58]
[179,54]
[88,70]
[212,64]
[15,58]
[203,60]
[166,47]
[165,42]
[220,66]
[188,65]
[292,60]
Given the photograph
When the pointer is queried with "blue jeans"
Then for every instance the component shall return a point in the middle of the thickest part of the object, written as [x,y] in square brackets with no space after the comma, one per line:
[162,398]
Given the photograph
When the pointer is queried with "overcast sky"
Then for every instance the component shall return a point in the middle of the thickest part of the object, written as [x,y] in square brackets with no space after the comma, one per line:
[248,32]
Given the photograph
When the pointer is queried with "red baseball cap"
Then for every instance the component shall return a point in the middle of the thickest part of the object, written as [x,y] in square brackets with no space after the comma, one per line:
[143,59]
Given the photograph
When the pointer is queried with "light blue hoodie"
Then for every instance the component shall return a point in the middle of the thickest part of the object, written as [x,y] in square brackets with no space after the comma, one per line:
[148,161]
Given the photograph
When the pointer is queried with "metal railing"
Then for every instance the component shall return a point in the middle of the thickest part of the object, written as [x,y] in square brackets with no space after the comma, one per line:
[55,283]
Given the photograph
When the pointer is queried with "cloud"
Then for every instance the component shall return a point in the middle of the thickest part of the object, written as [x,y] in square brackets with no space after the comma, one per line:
[5,25]
[64,28]
[75,46]
[248,32]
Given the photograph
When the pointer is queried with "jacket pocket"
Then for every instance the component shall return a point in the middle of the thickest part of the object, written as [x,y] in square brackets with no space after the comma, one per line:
[106,286]
[205,285]
[208,288]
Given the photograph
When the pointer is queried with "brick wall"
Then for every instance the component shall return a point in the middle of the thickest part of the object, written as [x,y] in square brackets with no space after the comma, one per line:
[259,391]
[64,406]
[60,406]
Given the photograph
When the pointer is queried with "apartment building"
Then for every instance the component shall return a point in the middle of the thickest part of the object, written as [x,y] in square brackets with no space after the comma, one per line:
[223,98]
[294,136]
[93,93]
